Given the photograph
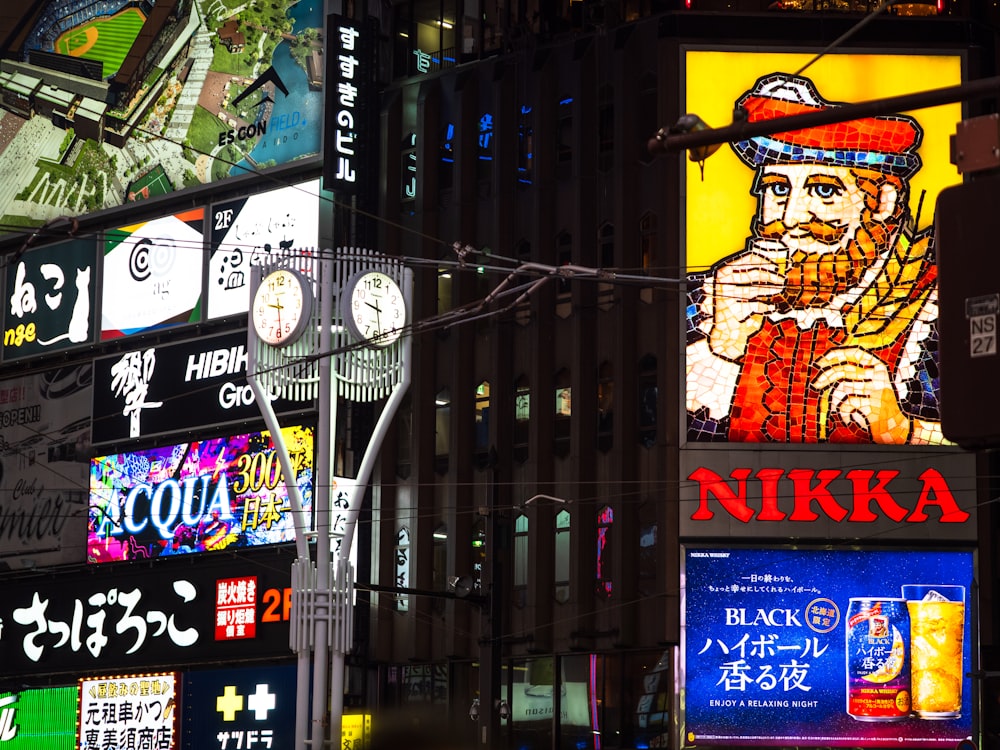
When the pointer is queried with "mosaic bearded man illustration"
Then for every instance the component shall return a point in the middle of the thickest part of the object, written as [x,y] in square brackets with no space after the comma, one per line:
[823,327]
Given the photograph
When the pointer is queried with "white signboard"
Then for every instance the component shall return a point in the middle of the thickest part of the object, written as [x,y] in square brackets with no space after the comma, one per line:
[248,231]
[152,275]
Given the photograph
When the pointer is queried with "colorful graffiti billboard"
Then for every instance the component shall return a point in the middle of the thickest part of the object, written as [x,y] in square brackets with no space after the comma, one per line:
[200,496]
[840,648]
[812,281]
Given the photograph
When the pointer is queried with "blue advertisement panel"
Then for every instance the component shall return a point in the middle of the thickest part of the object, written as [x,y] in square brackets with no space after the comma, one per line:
[839,648]
[200,496]
[251,708]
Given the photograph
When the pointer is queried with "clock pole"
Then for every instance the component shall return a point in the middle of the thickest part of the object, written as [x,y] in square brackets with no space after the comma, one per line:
[361,366]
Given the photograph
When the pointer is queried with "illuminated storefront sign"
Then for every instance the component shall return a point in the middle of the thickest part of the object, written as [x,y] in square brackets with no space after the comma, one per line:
[176,387]
[44,424]
[927,495]
[812,297]
[252,230]
[152,275]
[236,608]
[250,708]
[196,497]
[841,648]
[129,711]
[50,300]
[347,93]
[144,616]
[38,719]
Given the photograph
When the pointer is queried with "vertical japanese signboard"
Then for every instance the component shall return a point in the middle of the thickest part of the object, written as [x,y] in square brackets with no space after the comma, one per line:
[129,711]
[250,708]
[839,648]
[200,496]
[152,275]
[49,297]
[349,69]
[38,719]
[249,231]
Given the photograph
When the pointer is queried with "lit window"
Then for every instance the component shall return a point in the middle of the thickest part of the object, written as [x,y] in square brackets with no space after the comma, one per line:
[482,417]
[605,520]
[520,559]
[562,556]
[522,417]
[563,412]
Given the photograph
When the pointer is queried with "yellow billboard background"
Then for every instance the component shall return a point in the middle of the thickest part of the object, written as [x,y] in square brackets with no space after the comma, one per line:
[719,208]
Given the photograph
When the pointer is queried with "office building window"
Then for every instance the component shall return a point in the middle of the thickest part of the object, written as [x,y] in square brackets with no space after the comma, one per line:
[562,556]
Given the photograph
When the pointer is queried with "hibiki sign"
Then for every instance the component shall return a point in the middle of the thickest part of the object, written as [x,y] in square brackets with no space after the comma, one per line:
[841,495]
[183,386]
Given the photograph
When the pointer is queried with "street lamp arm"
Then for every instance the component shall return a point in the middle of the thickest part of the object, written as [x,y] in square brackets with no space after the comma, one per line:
[554,499]
[668,140]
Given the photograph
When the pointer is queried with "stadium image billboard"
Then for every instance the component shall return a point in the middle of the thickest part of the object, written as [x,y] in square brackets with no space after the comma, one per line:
[104,103]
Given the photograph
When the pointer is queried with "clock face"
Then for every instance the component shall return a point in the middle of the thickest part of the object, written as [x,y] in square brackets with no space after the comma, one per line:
[373,308]
[281,307]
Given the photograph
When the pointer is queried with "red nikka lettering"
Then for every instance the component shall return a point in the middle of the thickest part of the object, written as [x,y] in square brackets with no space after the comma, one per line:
[870,496]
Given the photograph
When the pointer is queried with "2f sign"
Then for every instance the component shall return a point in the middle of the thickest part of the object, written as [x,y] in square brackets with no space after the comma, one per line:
[982,335]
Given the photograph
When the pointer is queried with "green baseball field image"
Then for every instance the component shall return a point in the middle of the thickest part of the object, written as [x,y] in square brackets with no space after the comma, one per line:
[105,40]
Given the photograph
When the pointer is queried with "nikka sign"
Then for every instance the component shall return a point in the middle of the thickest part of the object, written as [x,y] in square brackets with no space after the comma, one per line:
[868,495]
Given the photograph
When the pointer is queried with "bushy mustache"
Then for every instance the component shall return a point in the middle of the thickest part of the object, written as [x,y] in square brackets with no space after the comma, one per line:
[813,280]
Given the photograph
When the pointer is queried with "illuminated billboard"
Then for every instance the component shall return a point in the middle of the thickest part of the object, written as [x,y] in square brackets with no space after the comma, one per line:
[50,300]
[141,617]
[45,421]
[146,103]
[840,648]
[812,282]
[129,711]
[152,275]
[250,707]
[187,385]
[38,719]
[251,231]
[200,496]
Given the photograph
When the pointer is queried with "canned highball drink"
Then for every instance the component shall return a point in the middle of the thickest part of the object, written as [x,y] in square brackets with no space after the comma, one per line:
[878,664]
